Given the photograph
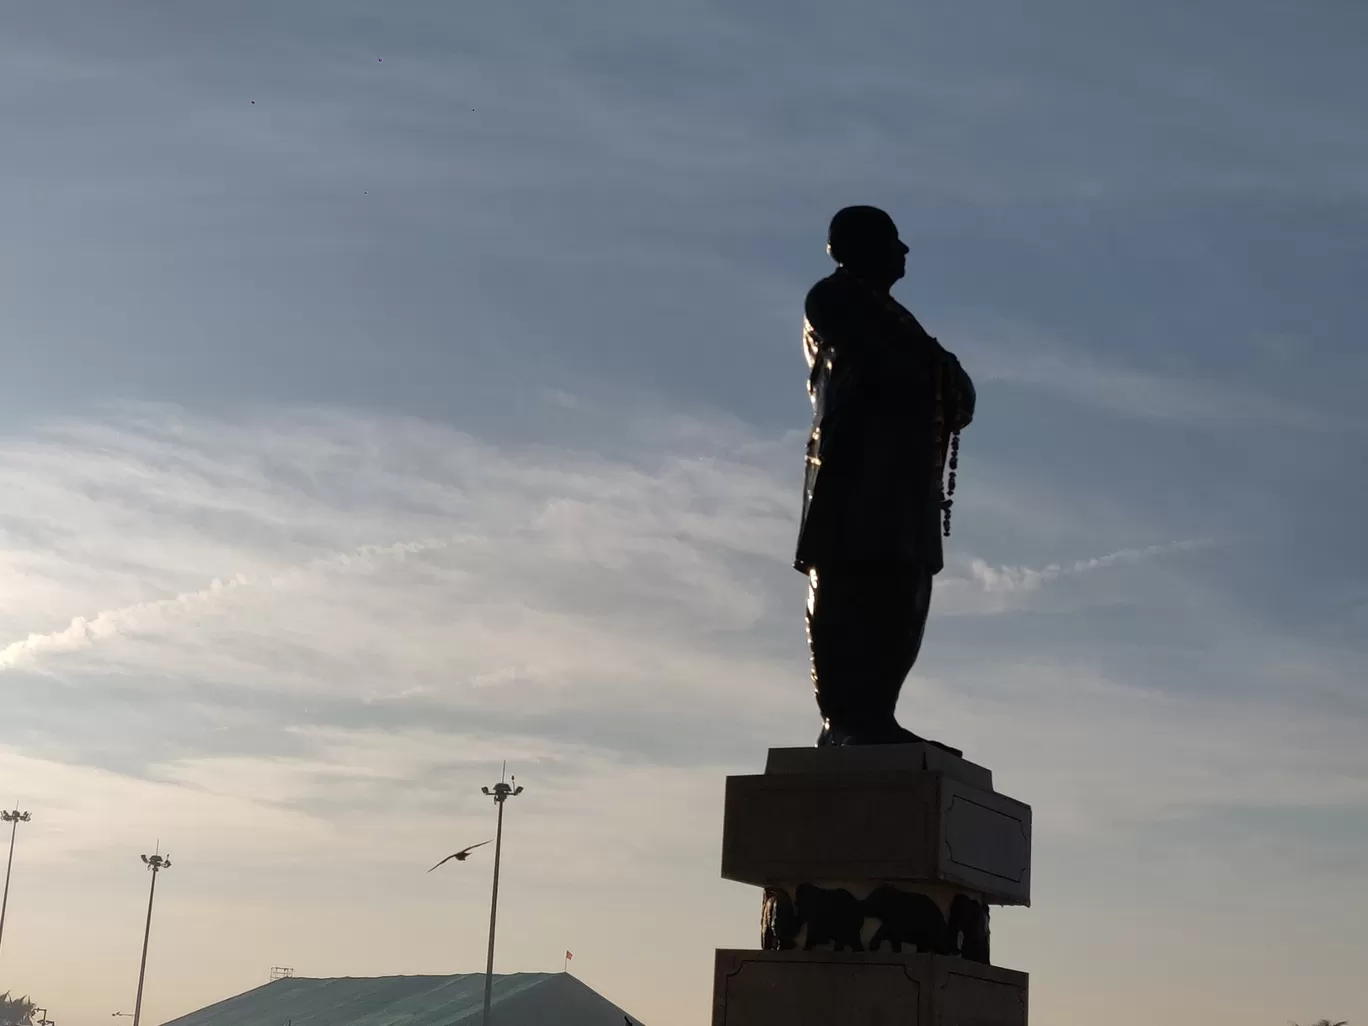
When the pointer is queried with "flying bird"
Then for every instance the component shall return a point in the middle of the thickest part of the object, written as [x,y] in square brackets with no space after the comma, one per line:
[461,855]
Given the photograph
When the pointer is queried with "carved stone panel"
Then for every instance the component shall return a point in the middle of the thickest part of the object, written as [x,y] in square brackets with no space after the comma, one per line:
[965,998]
[986,840]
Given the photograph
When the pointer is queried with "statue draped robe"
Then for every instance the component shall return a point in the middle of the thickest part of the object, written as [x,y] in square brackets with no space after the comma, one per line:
[886,398]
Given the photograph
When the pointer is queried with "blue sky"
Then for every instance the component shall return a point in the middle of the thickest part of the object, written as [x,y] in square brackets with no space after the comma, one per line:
[393,389]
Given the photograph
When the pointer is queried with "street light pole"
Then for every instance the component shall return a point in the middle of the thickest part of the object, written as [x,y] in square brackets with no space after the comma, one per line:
[501,792]
[14,817]
[156,863]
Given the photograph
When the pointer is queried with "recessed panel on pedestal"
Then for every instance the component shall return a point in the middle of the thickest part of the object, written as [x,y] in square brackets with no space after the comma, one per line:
[985,842]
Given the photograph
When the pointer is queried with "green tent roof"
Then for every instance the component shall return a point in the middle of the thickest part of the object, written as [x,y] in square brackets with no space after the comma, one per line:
[519,999]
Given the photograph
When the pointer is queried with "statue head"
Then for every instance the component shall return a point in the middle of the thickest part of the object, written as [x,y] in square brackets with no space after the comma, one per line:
[864,240]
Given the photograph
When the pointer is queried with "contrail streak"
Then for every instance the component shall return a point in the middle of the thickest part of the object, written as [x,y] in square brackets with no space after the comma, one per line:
[1002,579]
[83,631]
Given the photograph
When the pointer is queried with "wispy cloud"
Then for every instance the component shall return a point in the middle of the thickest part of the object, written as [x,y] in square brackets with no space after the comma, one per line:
[142,617]
[541,568]
[1015,579]
[625,629]
[1018,355]
[534,582]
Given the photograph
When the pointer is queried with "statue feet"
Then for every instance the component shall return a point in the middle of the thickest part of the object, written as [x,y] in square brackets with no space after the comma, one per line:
[889,733]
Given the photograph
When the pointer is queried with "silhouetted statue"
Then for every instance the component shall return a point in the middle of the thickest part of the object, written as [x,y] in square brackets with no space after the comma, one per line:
[888,403]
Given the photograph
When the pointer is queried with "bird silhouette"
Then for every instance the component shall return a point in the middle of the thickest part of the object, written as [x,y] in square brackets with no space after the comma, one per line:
[460,856]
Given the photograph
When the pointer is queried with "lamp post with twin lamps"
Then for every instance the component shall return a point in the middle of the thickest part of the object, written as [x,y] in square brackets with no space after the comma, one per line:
[500,792]
[156,863]
[14,817]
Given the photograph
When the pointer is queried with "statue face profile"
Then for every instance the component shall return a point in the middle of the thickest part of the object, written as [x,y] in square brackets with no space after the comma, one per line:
[865,241]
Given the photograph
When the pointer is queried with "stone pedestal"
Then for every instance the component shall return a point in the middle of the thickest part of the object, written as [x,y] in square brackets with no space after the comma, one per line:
[801,988]
[878,866]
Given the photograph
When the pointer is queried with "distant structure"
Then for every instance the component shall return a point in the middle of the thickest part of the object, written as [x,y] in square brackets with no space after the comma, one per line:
[281,972]
[519,999]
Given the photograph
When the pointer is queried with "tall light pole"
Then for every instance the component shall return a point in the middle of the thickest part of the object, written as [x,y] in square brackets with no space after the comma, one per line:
[156,863]
[501,792]
[14,817]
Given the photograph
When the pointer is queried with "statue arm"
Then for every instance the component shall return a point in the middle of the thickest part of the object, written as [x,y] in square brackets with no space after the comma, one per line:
[965,396]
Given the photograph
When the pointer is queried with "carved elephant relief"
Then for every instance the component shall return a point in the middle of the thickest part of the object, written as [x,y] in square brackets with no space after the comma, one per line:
[816,917]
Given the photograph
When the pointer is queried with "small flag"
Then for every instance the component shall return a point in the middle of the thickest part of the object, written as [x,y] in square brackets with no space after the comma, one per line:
[569,955]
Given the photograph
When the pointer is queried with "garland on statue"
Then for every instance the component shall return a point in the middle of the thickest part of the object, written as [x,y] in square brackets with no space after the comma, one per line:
[949,491]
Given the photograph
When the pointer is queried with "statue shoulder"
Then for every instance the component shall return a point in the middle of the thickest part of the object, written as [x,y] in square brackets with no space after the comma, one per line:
[828,303]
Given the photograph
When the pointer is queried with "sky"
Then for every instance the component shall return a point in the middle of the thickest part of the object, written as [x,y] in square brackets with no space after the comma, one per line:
[391,390]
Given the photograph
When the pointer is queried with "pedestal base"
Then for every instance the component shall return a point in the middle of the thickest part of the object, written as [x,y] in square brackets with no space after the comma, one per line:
[824,988]
[874,814]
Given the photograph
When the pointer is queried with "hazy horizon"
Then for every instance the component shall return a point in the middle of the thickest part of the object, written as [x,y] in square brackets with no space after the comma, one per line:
[392,391]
